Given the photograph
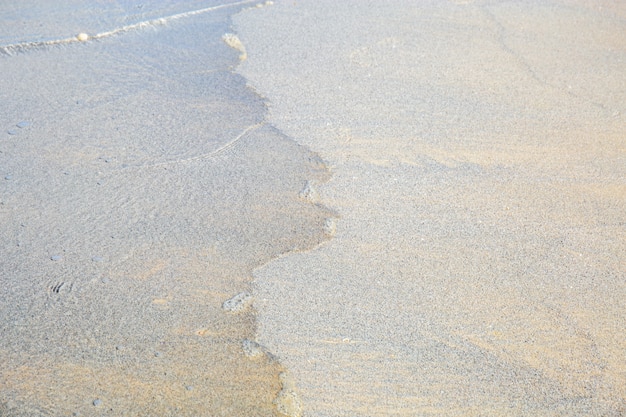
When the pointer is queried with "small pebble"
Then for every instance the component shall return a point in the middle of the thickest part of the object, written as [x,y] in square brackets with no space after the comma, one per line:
[119,347]
[105,280]
[12,132]
[23,124]
[97,259]
[8,177]
[189,387]
[97,402]
[157,354]
[56,257]
[82,37]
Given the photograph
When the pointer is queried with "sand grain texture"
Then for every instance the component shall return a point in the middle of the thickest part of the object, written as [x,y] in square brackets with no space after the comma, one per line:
[140,187]
[478,154]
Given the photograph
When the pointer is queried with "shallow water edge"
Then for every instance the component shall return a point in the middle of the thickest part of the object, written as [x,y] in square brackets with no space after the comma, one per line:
[141,186]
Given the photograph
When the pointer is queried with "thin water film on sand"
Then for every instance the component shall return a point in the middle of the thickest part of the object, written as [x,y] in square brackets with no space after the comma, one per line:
[140,187]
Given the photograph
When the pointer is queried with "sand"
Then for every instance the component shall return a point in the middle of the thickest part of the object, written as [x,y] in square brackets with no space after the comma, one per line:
[140,185]
[478,158]
[346,208]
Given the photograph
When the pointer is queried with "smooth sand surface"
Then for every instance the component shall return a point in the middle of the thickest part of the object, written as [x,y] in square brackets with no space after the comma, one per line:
[478,152]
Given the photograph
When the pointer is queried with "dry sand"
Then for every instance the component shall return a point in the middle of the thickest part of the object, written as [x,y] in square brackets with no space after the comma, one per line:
[478,152]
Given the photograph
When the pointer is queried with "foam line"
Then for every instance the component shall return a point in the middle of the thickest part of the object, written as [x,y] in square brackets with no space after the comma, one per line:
[25,46]
[216,152]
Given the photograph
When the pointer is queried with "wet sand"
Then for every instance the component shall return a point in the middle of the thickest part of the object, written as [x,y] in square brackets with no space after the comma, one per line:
[140,185]
[478,153]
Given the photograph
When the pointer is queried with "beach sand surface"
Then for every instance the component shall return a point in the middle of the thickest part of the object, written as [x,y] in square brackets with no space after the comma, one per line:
[139,186]
[478,158]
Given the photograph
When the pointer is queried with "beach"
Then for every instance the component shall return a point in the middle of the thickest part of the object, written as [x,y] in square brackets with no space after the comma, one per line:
[141,184]
[477,152]
[313,208]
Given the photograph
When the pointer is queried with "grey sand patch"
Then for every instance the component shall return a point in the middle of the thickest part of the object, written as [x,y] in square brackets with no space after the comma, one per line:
[238,303]
[330,227]
[308,192]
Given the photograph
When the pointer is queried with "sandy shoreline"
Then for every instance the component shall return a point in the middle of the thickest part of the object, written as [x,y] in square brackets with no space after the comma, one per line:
[477,152]
[140,185]
[458,169]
